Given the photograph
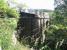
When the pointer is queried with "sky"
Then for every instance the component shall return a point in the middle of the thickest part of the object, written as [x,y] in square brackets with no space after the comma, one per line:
[38,4]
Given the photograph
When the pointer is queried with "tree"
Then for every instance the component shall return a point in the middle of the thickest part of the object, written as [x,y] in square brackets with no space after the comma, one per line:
[58,29]
[56,34]
[61,11]
[6,11]
[7,25]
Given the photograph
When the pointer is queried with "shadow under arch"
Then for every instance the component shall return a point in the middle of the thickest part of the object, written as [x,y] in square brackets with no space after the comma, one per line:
[28,29]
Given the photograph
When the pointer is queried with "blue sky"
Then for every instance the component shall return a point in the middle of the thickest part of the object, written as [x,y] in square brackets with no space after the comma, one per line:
[39,4]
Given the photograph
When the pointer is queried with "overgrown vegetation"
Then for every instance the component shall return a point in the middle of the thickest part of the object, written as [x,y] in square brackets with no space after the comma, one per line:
[56,33]
[6,11]
[8,23]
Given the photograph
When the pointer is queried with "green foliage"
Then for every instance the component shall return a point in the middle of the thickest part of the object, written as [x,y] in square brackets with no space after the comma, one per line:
[56,34]
[6,31]
[6,11]
[7,25]
[7,28]
[12,13]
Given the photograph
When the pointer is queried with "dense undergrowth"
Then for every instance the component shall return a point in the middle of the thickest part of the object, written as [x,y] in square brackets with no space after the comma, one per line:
[55,34]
